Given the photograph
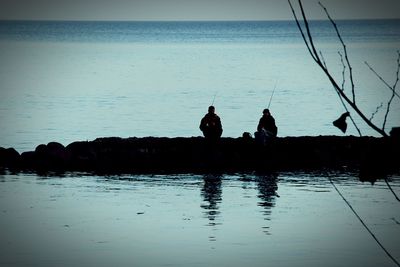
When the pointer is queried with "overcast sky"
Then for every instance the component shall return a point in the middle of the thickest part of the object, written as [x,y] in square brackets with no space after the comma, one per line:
[191,9]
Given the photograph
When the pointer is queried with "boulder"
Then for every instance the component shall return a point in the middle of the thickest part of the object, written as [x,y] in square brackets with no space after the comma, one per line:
[395,133]
[9,157]
[57,151]
[28,159]
[52,156]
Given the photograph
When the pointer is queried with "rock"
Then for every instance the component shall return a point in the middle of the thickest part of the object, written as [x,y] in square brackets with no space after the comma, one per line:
[196,155]
[28,160]
[9,157]
[41,149]
[395,133]
[52,156]
[57,151]
[82,155]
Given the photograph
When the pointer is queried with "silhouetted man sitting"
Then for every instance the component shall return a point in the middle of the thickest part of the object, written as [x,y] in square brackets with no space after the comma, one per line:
[210,125]
[266,128]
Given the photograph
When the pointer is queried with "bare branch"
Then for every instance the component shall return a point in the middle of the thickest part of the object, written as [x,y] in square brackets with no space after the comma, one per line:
[302,33]
[397,72]
[308,31]
[387,111]
[323,59]
[398,199]
[343,71]
[351,118]
[380,78]
[351,103]
[311,48]
[355,125]
[376,111]
[393,92]
[345,52]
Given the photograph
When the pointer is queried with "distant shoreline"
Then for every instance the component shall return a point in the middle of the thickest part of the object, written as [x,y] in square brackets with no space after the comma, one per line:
[188,21]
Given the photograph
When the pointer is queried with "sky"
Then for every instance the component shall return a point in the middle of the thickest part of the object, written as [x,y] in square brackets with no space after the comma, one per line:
[191,9]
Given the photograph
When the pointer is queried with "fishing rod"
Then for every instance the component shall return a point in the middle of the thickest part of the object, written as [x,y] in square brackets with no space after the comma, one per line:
[270,99]
[212,103]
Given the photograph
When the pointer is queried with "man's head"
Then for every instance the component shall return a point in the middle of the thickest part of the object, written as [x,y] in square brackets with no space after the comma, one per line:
[266,112]
[211,109]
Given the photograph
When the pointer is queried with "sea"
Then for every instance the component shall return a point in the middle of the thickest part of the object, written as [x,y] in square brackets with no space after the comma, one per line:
[69,81]
[66,81]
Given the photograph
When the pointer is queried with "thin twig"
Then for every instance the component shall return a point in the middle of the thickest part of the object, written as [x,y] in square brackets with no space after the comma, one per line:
[345,52]
[398,70]
[380,78]
[387,111]
[343,71]
[341,100]
[355,125]
[323,59]
[398,199]
[363,223]
[393,92]
[376,111]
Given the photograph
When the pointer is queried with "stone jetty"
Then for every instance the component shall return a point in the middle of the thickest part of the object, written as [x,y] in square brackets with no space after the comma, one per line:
[196,155]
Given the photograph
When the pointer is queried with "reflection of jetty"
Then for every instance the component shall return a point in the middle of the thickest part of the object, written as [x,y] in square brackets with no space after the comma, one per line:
[195,155]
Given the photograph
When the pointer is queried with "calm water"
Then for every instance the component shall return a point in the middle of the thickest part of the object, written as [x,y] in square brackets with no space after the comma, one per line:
[67,81]
[190,220]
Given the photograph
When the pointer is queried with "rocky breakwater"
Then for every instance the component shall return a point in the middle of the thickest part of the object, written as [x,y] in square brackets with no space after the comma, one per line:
[196,155]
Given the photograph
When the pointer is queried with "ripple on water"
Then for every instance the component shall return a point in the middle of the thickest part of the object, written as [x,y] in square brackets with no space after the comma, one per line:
[243,213]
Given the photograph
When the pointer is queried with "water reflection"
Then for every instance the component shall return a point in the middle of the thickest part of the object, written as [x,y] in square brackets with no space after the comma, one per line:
[371,175]
[212,197]
[211,192]
[136,223]
[267,186]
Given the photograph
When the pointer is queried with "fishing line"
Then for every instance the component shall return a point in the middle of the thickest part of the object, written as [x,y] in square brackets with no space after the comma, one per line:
[362,222]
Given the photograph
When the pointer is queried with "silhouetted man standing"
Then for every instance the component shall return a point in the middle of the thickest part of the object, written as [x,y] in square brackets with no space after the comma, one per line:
[210,125]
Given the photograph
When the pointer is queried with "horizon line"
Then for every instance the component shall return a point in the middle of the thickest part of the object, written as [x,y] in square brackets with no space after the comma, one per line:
[199,20]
